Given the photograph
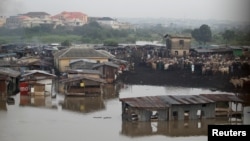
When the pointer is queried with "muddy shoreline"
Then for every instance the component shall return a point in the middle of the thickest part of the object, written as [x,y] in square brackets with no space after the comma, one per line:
[144,75]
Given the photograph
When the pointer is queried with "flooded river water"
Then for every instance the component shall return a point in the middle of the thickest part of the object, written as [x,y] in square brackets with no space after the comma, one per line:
[97,118]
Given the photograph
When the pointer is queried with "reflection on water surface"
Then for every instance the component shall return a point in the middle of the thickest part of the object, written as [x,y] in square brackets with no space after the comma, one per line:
[30,118]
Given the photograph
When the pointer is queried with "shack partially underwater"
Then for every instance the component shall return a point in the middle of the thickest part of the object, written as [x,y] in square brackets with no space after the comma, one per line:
[181,107]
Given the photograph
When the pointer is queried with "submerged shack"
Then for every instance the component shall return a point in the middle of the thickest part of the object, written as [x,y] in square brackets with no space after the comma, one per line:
[82,86]
[179,107]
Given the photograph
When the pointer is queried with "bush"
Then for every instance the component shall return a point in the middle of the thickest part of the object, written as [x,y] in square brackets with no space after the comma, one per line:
[110,43]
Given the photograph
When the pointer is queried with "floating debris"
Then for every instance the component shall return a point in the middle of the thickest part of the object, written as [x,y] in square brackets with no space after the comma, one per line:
[97,117]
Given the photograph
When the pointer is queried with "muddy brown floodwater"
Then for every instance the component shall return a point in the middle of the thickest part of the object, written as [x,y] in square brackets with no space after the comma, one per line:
[97,118]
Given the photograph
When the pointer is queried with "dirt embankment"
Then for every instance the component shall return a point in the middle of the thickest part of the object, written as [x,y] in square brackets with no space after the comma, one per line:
[145,75]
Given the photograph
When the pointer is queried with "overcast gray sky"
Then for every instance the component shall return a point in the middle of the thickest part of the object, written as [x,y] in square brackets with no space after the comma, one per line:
[237,10]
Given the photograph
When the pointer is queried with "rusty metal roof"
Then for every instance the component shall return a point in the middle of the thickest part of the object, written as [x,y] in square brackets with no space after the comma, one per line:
[9,72]
[145,102]
[42,72]
[83,71]
[222,97]
[165,101]
[111,64]
[68,80]
[185,99]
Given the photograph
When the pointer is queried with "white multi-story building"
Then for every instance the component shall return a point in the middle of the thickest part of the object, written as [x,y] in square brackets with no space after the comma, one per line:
[28,20]
[111,23]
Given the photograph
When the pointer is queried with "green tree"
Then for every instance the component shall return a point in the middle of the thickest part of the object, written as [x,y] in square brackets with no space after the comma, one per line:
[196,35]
[205,33]
[228,35]
[202,34]
[110,42]
[66,43]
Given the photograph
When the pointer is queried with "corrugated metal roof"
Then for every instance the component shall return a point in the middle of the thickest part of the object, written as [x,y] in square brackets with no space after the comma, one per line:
[111,64]
[106,53]
[67,80]
[83,71]
[203,50]
[41,63]
[181,37]
[185,99]
[82,60]
[118,60]
[4,63]
[9,72]
[7,55]
[80,52]
[145,102]
[165,101]
[222,97]
[30,72]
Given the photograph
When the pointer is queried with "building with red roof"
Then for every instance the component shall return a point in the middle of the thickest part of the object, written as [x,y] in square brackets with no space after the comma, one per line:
[72,18]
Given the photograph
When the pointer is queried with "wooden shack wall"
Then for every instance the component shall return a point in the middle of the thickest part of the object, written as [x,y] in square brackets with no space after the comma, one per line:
[143,115]
[83,74]
[48,84]
[208,110]
[63,65]
[2,87]
[15,85]
[81,65]
[163,115]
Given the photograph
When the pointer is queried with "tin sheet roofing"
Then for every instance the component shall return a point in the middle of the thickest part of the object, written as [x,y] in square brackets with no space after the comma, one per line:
[31,72]
[111,64]
[185,99]
[83,71]
[165,101]
[67,80]
[145,102]
[222,97]
[9,72]
[79,52]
